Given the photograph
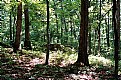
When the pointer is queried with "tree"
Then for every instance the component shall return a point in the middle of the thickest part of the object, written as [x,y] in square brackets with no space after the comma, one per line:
[27,43]
[18,27]
[99,39]
[82,54]
[11,30]
[116,25]
[48,41]
[56,16]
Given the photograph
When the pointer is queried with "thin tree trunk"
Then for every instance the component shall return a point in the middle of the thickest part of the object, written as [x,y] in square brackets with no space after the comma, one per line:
[89,51]
[14,24]
[14,21]
[64,21]
[108,44]
[27,43]
[75,36]
[99,29]
[11,30]
[61,22]
[95,36]
[56,16]
[71,25]
[48,41]
[57,28]
[18,27]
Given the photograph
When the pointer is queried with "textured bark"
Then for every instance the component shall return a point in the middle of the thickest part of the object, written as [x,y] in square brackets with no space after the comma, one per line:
[18,27]
[116,25]
[82,54]
[27,43]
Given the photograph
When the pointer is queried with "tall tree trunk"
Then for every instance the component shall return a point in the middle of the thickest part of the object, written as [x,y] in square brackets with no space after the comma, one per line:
[18,27]
[116,25]
[57,28]
[56,16]
[74,32]
[108,44]
[14,22]
[71,24]
[95,47]
[82,54]
[11,30]
[99,29]
[27,43]
[62,23]
[48,39]
[89,43]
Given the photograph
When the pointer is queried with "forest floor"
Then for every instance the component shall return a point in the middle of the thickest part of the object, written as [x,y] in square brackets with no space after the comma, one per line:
[26,66]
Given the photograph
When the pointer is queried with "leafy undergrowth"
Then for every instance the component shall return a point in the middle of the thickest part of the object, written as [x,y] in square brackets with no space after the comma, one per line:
[29,65]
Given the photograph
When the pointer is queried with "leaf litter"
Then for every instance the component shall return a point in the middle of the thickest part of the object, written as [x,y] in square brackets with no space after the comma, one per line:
[24,67]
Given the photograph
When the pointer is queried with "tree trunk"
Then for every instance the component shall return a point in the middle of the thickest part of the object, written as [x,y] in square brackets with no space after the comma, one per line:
[62,23]
[71,24]
[99,40]
[89,43]
[108,44]
[48,39]
[18,27]
[116,25]
[14,21]
[27,43]
[56,16]
[82,54]
[11,30]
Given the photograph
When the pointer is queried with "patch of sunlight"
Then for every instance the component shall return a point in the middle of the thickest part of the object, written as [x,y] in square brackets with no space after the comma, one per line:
[62,58]
[73,57]
[119,67]
[32,53]
[35,61]
[97,61]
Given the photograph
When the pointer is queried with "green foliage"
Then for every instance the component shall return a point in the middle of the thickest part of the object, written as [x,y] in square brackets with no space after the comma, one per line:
[68,13]
[63,58]
[33,54]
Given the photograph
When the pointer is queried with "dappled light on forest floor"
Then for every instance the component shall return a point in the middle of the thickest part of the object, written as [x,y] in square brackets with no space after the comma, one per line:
[55,39]
[30,66]
[100,61]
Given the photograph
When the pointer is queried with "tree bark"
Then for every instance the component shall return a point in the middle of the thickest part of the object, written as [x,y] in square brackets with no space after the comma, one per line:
[108,44]
[18,27]
[11,30]
[116,25]
[99,40]
[27,43]
[48,38]
[61,23]
[14,21]
[82,54]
